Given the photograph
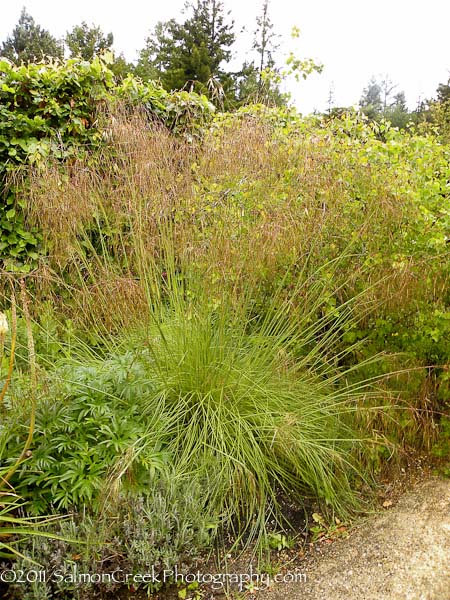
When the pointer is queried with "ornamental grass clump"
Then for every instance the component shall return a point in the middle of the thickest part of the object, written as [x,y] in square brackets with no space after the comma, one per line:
[252,407]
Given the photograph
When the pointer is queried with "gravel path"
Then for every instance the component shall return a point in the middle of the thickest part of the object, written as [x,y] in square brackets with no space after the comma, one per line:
[401,554]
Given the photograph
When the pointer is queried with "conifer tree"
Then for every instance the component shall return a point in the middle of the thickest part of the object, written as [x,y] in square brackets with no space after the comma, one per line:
[29,42]
[192,53]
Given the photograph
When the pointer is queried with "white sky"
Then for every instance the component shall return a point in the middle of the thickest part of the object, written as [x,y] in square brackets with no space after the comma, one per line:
[408,40]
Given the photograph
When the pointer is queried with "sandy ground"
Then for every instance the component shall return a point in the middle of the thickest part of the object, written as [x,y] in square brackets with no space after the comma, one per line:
[400,554]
